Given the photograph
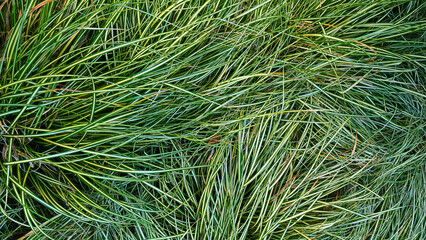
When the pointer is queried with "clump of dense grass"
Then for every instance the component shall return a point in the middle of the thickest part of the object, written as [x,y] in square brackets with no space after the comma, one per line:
[212,119]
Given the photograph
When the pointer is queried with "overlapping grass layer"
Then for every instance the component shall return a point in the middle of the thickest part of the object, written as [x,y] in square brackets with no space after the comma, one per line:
[212,119]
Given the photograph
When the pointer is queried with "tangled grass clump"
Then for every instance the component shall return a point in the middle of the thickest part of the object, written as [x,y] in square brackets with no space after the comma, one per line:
[213,119]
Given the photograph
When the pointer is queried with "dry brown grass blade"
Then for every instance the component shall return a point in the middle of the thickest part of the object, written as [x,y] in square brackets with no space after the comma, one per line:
[354,148]
[285,186]
[40,5]
[1,6]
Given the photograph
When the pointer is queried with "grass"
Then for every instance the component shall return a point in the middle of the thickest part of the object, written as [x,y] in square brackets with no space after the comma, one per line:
[213,119]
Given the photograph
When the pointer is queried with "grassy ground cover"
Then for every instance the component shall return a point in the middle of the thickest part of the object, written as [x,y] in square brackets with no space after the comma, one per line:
[254,119]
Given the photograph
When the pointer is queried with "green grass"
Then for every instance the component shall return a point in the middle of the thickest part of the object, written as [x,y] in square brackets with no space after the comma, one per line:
[213,119]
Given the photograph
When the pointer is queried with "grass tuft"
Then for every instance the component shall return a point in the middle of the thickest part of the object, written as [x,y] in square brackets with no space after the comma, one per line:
[212,119]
